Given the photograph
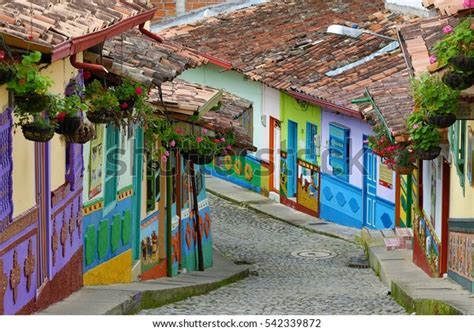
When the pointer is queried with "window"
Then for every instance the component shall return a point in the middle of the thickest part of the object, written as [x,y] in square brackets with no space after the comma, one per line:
[457,140]
[311,136]
[339,150]
[111,148]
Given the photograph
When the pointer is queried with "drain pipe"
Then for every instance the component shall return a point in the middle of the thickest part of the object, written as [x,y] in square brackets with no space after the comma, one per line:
[87,66]
[150,34]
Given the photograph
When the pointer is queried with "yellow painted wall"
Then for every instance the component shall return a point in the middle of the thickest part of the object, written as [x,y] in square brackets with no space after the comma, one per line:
[116,270]
[461,205]
[61,72]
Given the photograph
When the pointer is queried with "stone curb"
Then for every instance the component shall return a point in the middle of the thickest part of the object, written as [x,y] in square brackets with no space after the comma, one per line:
[402,294]
[255,209]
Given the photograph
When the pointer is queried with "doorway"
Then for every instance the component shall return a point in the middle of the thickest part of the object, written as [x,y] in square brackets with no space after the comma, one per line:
[292,158]
[370,186]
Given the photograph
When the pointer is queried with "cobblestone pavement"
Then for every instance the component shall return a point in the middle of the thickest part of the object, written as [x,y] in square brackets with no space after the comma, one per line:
[282,283]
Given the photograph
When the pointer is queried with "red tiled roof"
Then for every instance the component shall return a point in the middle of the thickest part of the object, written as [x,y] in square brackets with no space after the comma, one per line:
[50,24]
[284,44]
[145,60]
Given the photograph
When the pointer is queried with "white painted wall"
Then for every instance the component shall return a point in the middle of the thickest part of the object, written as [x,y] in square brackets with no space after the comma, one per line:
[270,107]
[408,3]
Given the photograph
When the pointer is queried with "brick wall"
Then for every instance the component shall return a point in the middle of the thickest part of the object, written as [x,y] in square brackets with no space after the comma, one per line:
[166,8]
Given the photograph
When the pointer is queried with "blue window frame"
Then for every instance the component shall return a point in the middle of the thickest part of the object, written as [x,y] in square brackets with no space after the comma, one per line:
[339,150]
[111,156]
[311,133]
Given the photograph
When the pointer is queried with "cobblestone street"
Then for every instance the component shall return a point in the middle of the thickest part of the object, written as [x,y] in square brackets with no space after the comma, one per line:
[280,282]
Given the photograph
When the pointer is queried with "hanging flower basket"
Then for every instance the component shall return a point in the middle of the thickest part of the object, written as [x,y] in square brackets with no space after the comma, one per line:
[429,154]
[458,81]
[403,170]
[101,116]
[85,133]
[463,62]
[32,103]
[35,131]
[442,121]
[68,125]
[196,158]
[7,74]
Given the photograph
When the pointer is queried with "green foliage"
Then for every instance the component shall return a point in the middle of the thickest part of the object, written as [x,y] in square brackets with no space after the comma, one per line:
[100,98]
[67,106]
[433,96]
[129,90]
[28,79]
[423,136]
[457,42]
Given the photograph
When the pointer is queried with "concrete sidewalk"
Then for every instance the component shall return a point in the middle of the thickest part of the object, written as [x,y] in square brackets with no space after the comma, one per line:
[412,287]
[262,204]
[124,299]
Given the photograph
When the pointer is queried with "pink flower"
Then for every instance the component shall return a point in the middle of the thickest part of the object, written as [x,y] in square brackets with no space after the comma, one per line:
[167,153]
[229,147]
[224,152]
[223,140]
[468,4]
[139,90]
[2,55]
[433,59]
[204,131]
[172,143]
[199,139]
[164,158]
[415,126]
[448,29]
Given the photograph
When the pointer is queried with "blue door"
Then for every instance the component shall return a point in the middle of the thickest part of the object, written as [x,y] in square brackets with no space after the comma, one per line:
[291,160]
[370,186]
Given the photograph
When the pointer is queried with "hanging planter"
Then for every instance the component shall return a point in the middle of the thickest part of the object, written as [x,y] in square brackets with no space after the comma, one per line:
[7,73]
[85,133]
[68,125]
[103,104]
[458,81]
[29,86]
[464,63]
[403,170]
[430,154]
[442,121]
[38,131]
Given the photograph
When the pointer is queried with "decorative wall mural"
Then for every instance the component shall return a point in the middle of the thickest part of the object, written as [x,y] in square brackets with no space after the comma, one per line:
[54,242]
[461,254]
[3,285]
[149,249]
[63,237]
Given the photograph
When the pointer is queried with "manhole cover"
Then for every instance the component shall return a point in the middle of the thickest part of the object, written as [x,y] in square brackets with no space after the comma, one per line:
[317,254]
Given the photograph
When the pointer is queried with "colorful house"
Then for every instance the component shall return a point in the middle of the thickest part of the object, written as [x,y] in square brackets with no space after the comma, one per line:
[41,245]
[303,86]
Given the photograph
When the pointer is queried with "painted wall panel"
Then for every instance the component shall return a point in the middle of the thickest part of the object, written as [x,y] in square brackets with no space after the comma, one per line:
[271,107]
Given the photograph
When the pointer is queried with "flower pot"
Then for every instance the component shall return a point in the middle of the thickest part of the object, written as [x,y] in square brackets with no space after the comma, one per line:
[68,125]
[198,158]
[31,103]
[34,132]
[403,170]
[463,62]
[442,121]
[430,154]
[6,74]
[101,116]
[457,81]
[85,133]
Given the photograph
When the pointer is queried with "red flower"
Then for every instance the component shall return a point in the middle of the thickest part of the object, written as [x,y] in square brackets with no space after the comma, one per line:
[60,116]
[87,75]
[124,105]
[139,90]
[2,55]
[216,140]
[179,131]
[30,37]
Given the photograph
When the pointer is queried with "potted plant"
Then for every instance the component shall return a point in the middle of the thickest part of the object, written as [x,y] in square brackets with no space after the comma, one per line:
[402,161]
[66,113]
[85,133]
[35,127]
[438,101]
[103,104]
[425,138]
[456,51]
[202,149]
[379,142]
[29,86]
[128,93]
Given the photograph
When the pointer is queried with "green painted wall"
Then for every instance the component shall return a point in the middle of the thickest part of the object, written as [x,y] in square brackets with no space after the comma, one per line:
[301,114]
[235,83]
